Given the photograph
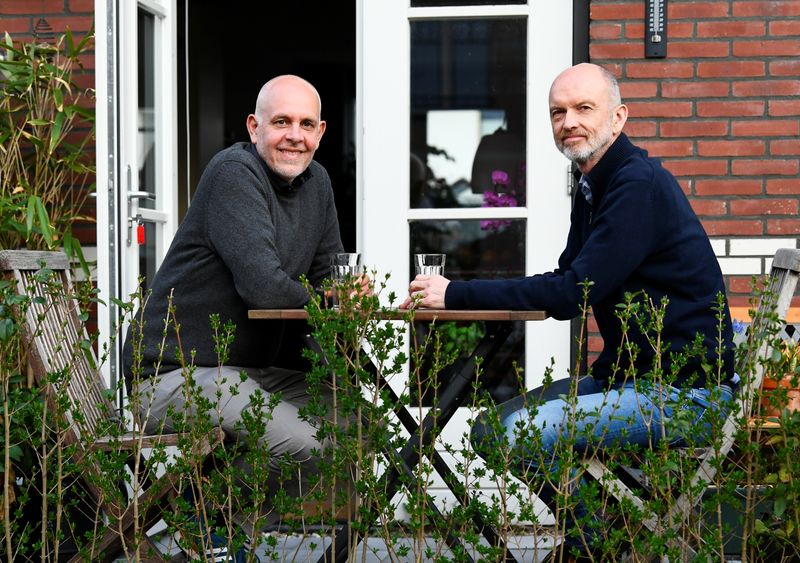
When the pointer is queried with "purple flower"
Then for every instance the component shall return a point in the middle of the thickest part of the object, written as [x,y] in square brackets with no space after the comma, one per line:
[499,177]
[739,326]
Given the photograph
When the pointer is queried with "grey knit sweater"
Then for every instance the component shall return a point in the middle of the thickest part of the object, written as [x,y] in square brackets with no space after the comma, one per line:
[243,244]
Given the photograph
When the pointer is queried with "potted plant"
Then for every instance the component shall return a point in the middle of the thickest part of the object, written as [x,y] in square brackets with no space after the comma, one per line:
[46,133]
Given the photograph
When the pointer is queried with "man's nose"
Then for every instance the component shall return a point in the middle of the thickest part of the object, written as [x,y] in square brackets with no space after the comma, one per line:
[570,120]
[294,133]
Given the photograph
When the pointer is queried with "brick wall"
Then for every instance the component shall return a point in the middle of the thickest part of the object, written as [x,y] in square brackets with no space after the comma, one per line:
[722,111]
[47,20]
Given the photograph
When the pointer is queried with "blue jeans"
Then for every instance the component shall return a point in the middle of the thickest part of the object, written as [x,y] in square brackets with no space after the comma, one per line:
[535,425]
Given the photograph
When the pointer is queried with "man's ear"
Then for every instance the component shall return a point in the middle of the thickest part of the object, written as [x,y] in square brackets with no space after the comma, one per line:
[619,118]
[252,124]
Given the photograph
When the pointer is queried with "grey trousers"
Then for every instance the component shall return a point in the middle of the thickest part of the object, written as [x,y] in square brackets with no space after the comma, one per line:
[286,434]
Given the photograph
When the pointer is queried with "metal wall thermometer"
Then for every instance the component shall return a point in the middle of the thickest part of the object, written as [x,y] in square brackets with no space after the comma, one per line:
[655,34]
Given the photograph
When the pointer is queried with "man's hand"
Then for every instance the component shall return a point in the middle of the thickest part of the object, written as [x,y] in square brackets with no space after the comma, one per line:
[365,285]
[426,291]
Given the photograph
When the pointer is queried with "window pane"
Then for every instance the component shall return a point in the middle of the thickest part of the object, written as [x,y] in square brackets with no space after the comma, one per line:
[147,111]
[468,112]
[476,249]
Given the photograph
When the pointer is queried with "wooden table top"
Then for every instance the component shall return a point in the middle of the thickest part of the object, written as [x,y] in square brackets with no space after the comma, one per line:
[420,315]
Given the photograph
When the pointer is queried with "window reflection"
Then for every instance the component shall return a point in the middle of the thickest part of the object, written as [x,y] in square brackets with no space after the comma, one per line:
[475,249]
[468,113]
[147,111]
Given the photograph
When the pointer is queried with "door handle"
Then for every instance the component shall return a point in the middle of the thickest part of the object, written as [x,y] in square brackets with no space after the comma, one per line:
[141,195]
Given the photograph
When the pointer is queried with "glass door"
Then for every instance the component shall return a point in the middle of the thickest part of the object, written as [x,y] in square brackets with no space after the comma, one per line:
[455,93]
[136,144]
[148,139]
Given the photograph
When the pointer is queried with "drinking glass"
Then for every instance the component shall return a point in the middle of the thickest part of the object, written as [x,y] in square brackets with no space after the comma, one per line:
[429,264]
[345,267]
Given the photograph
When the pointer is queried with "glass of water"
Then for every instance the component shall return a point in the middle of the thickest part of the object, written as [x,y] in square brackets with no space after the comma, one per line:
[429,264]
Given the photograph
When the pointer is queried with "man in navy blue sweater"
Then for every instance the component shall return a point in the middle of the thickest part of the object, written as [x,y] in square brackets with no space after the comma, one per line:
[632,230]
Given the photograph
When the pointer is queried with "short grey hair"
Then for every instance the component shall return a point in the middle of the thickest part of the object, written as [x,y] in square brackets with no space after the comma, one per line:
[614,96]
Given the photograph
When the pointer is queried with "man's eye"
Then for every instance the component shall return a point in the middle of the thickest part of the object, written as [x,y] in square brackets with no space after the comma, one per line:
[280,122]
[308,124]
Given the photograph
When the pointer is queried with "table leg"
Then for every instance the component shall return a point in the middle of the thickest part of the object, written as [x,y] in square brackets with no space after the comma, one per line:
[454,394]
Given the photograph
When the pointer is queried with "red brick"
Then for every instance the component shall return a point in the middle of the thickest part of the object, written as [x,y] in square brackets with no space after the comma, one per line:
[638,89]
[660,109]
[34,8]
[594,344]
[669,148]
[767,88]
[731,148]
[783,186]
[81,6]
[675,30]
[659,68]
[697,10]
[764,207]
[729,69]
[694,128]
[727,186]
[781,108]
[766,128]
[730,28]
[709,207]
[75,23]
[783,227]
[738,228]
[740,284]
[785,147]
[761,8]
[635,30]
[605,31]
[698,49]
[17,25]
[784,167]
[775,48]
[619,11]
[616,50]
[697,167]
[785,68]
[640,128]
[730,109]
[777,28]
[695,89]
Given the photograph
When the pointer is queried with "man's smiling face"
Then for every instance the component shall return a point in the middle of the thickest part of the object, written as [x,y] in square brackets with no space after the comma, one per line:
[287,127]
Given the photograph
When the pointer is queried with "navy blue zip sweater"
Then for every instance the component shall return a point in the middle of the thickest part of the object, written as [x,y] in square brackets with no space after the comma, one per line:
[640,234]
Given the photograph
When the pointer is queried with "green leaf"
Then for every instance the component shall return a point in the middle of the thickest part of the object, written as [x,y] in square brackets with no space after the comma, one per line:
[44,223]
[780,506]
[58,99]
[29,214]
[55,133]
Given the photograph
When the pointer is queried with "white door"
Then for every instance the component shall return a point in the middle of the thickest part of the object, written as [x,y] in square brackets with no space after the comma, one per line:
[456,154]
[137,171]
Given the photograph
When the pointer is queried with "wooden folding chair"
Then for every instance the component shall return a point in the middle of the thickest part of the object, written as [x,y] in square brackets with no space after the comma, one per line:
[774,304]
[56,343]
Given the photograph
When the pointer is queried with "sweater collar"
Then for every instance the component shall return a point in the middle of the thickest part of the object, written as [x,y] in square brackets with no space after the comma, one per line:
[601,173]
[280,185]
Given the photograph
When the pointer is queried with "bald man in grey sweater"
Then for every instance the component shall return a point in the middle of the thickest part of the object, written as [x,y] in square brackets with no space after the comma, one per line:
[262,216]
